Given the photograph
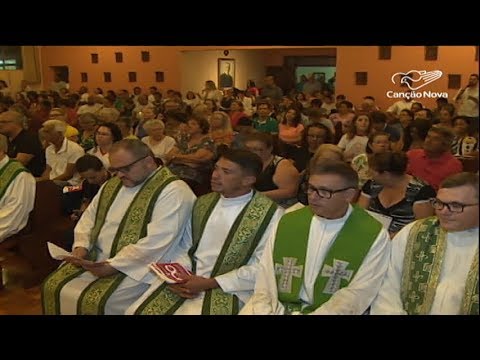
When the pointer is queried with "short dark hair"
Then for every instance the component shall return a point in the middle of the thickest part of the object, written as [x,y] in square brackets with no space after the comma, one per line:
[264,138]
[247,160]
[461,179]
[392,162]
[378,117]
[321,166]
[245,121]
[88,162]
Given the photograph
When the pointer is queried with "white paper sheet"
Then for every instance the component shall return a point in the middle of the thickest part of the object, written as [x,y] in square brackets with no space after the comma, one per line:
[57,252]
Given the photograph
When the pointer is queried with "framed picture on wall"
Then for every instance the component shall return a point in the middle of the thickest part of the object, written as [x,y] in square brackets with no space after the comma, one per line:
[226,73]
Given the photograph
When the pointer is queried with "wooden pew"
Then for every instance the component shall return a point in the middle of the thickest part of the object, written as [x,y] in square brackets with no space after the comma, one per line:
[47,223]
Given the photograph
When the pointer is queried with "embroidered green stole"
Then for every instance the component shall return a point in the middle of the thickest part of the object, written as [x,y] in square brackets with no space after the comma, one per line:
[422,265]
[132,228]
[8,173]
[241,241]
[341,263]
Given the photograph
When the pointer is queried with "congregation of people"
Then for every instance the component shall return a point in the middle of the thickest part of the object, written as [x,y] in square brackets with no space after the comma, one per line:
[295,203]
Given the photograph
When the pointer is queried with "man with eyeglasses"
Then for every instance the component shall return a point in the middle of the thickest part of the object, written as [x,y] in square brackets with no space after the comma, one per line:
[433,268]
[137,217]
[326,258]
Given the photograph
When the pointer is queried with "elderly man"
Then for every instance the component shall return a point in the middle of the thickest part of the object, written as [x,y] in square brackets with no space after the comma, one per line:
[433,268]
[61,154]
[137,217]
[24,146]
[337,259]
[17,193]
[225,249]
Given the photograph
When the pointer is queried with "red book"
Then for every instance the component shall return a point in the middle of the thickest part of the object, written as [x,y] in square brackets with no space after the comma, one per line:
[172,273]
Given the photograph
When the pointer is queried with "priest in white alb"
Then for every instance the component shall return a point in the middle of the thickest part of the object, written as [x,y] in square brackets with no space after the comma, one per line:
[137,217]
[222,247]
[433,269]
[328,258]
[17,193]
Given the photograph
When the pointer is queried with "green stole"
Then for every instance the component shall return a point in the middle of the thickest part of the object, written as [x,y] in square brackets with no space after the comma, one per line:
[241,242]
[422,265]
[348,250]
[132,228]
[8,173]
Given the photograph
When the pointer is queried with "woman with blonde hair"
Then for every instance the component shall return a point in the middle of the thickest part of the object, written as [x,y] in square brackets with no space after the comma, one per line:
[220,129]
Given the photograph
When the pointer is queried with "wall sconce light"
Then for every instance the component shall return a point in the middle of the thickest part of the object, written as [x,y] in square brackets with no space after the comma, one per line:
[226,52]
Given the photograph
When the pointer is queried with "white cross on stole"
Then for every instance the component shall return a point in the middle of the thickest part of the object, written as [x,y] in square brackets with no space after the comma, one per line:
[336,274]
[287,271]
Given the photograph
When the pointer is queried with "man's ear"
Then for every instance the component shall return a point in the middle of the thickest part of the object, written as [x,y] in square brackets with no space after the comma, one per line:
[249,180]
[351,195]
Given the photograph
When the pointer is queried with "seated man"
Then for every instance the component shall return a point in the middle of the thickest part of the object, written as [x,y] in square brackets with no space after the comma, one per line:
[433,268]
[24,146]
[225,241]
[17,193]
[61,154]
[93,172]
[339,257]
[137,217]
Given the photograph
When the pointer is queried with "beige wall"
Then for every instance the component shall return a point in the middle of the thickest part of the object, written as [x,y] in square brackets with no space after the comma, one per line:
[78,59]
[351,59]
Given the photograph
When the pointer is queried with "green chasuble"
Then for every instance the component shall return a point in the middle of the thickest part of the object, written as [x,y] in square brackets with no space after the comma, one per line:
[341,263]
[241,241]
[132,228]
[8,173]
[422,265]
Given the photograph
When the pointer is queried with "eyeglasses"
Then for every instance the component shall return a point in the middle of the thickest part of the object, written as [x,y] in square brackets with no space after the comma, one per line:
[126,168]
[325,193]
[453,207]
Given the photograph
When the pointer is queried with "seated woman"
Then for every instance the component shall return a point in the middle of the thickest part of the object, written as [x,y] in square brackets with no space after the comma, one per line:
[378,142]
[88,124]
[279,178]
[105,135]
[395,194]
[157,141]
[237,111]
[290,132]
[354,141]
[191,158]
[464,144]
[220,129]
[315,135]
[406,118]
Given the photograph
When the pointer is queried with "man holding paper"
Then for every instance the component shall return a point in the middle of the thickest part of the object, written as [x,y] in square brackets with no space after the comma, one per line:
[328,258]
[138,217]
[222,245]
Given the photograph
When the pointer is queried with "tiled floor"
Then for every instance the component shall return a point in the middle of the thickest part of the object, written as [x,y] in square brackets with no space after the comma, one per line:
[14,300]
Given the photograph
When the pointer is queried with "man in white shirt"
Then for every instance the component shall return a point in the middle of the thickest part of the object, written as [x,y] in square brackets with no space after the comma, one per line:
[467,101]
[137,217]
[61,154]
[328,258]
[17,193]
[223,245]
[433,268]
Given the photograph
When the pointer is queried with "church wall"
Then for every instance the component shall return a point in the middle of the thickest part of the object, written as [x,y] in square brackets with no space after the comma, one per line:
[187,68]
[351,59]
